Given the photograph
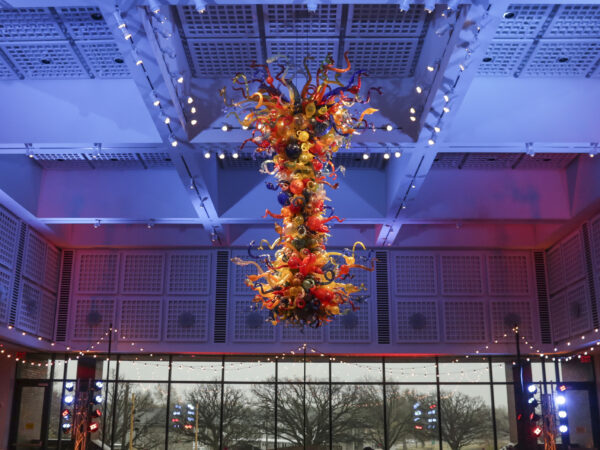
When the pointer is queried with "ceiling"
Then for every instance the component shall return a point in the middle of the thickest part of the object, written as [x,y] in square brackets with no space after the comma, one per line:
[496,153]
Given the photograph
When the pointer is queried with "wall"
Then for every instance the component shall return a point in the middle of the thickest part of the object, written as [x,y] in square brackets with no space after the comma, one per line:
[7,383]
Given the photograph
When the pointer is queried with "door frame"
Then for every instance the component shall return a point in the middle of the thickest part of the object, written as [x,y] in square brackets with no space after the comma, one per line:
[16,410]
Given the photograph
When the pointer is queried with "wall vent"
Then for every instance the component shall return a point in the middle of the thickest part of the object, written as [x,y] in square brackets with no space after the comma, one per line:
[542,294]
[383,298]
[17,278]
[221,296]
[64,293]
[589,267]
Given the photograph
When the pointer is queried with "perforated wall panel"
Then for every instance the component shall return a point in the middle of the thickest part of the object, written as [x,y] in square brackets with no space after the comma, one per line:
[143,273]
[62,161]
[508,274]
[187,320]
[506,314]
[52,268]
[48,315]
[28,24]
[464,321]
[385,20]
[189,273]
[580,318]
[140,319]
[502,57]
[595,244]
[415,275]
[219,20]
[29,308]
[301,335]
[35,258]
[575,21]
[461,274]
[297,50]
[523,21]
[240,273]
[295,20]
[104,59]
[223,57]
[559,317]
[573,258]
[5,289]
[417,321]
[47,60]
[562,58]
[9,237]
[96,272]
[351,326]
[93,316]
[384,57]
[250,323]
[554,266]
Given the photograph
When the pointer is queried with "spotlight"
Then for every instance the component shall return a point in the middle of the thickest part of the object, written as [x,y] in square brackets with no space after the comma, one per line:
[397,154]
[529,149]
[560,400]
[446,98]
[150,223]
[537,430]
[412,110]
[173,141]
[66,414]
[207,154]
[154,98]
[98,385]
[193,110]
[563,428]
[419,89]
[200,6]
[365,156]
[96,413]
[429,6]
[453,4]
[98,399]
[244,127]
[193,122]
[68,400]
[413,118]
[190,100]
[93,427]
[404,5]
[386,156]
[154,6]
[311,5]
[430,68]
[179,78]
[119,20]
[532,388]
[166,119]
[446,109]
[69,385]
[66,427]
[192,186]
[235,155]
[97,223]
[431,142]
[562,388]
[221,155]
[389,127]
[126,33]
[562,414]
[225,128]
[437,129]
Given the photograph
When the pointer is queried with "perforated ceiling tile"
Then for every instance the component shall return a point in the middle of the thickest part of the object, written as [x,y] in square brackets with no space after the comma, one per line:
[384,57]
[415,275]
[464,321]
[157,160]
[508,275]
[97,273]
[9,229]
[189,273]
[219,20]
[573,262]
[554,58]
[461,275]
[250,324]
[295,20]
[385,20]
[490,160]
[238,274]
[61,160]
[6,72]
[503,57]
[28,311]
[559,317]
[296,50]
[104,59]
[35,258]
[447,160]
[417,321]
[187,320]
[554,269]
[47,315]
[301,335]
[5,286]
[351,326]
[575,21]
[48,60]
[505,315]
[28,24]
[140,320]
[85,23]
[93,317]
[580,317]
[143,273]
[115,160]
[547,161]
[223,57]
[52,268]
[523,21]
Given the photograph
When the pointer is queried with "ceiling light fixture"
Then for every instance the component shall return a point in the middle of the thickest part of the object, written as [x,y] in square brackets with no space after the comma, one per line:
[397,154]
[200,6]
[225,128]
[193,122]
[190,100]
[413,119]
[193,110]
[529,149]
[207,154]
[431,142]
[154,98]
[365,156]
[386,155]
[419,89]
[429,6]
[311,5]
[164,118]
[221,155]
[453,4]
[173,141]
[412,110]
[235,155]
[150,223]
[389,127]
[154,6]
[404,5]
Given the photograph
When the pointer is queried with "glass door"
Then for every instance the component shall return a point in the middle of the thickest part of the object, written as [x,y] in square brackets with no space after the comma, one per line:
[29,423]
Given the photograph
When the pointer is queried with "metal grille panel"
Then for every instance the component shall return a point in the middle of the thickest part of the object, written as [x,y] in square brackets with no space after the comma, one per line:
[490,160]
[417,321]
[563,58]
[52,269]
[85,23]
[93,317]
[297,50]
[97,273]
[508,275]
[219,20]
[6,72]
[250,324]
[28,24]
[9,237]
[461,275]
[48,60]
[28,312]
[351,326]
[295,20]
[189,273]
[580,317]
[47,316]
[573,262]
[384,57]
[5,285]
[140,320]
[559,317]
[187,320]
[507,314]
[464,321]
[523,21]
[575,21]
[35,258]
[556,274]
[447,160]
[157,160]
[104,59]
[415,275]
[385,20]
[143,273]
[223,57]
[61,160]
[547,161]
[502,58]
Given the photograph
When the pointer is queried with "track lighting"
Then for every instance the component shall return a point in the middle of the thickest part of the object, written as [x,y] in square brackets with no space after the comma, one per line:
[200,6]
[389,127]
[412,110]
[429,6]
[404,5]
[164,118]
[397,154]
[193,110]
[179,79]
[431,142]
[225,128]
[311,5]
[173,141]
[235,155]
[154,6]
[413,118]
[190,100]
[386,155]
[193,122]
[207,154]
[365,156]
[119,20]
[154,98]
[221,155]
[419,89]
